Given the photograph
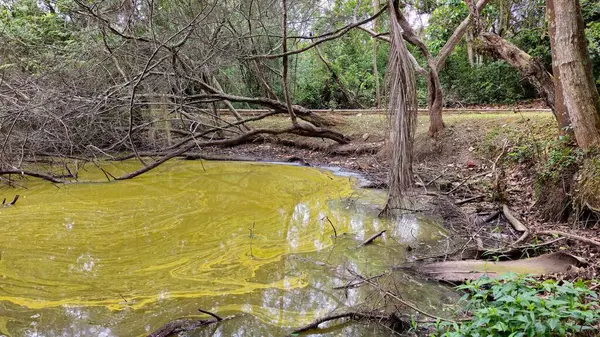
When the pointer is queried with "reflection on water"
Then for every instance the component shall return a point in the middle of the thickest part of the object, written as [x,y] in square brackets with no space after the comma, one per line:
[244,239]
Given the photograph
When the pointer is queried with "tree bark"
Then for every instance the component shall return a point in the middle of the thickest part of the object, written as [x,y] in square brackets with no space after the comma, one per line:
[470,53]
[435,95]
[375,70]
[561,113]
[574,65]
[286,92]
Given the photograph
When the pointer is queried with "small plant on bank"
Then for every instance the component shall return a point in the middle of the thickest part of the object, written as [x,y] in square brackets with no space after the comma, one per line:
[519,306]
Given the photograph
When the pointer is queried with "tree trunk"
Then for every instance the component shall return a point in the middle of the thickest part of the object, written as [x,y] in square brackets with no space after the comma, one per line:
[375,70]
[284,72]
[574,65]
[403,114]
[562,114]
[470,53]
[435,95]
[435,102]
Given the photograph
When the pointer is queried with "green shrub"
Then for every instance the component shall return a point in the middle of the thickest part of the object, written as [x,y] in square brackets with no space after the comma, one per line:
[517,306]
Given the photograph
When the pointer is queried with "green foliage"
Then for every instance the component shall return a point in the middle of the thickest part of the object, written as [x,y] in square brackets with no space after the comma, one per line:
[560,157]
[519,306]
[521,154]
[34,38]
[490,82]
[444,19]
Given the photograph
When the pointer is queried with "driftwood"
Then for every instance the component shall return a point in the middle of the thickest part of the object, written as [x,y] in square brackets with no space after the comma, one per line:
[372,238]
[182,325]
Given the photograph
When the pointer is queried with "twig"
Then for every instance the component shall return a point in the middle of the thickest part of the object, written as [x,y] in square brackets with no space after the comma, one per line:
[394,296]
[464,201]
[434,179]
[491,216]
[218,318]
[372,238]
[14,200]
[467,179]
[353,284]
[572,236]
[331,223]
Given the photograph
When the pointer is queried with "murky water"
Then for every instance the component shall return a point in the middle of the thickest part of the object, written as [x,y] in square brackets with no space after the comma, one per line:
[244,239]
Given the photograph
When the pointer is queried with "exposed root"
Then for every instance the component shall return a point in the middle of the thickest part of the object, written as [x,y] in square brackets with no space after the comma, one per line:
[517,225]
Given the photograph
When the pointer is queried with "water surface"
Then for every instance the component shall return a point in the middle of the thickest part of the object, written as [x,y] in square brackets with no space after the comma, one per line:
[246,239]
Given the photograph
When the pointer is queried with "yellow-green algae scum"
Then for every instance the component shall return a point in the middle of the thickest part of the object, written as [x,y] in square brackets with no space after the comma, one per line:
[185,231]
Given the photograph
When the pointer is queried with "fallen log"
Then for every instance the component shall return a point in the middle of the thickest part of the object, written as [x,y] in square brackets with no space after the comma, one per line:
[460,271]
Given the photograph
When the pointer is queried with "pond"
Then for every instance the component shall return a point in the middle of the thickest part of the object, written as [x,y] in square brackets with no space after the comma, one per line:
[252,240]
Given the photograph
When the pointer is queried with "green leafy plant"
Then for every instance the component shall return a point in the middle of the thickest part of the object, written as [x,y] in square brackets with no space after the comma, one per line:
[519,306]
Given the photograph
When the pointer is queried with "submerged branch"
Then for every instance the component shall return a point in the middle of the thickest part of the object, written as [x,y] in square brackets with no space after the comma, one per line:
[353,316]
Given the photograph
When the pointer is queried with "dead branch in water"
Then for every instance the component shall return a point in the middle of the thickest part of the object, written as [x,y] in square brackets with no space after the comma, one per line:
[354,284]
[397,298]
[372,238]
[332,226]
[182,325]
[40,175]
[12,202]
[354,316]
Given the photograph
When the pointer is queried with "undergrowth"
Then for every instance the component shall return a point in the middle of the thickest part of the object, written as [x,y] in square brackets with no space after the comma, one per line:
[519,306]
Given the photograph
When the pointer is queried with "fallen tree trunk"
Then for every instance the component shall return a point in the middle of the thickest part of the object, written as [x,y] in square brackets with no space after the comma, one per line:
[529,67]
